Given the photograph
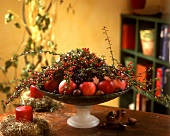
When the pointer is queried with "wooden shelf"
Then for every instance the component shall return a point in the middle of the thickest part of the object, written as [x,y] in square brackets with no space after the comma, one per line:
[140,23]
[164,19]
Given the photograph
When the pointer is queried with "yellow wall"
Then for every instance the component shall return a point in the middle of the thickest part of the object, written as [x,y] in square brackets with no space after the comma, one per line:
[82,29]
[10,38]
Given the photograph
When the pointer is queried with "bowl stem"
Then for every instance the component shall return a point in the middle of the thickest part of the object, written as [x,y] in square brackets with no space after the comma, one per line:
[83,118]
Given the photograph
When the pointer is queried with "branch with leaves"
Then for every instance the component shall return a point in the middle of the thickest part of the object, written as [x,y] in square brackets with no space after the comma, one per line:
[38,19]
[81,65]
[144,87]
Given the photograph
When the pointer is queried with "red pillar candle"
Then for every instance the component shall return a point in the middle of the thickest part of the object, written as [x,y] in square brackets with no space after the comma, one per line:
[24,113]
[35,93]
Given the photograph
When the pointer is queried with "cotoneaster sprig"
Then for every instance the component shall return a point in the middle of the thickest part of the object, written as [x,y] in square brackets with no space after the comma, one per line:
[81,65]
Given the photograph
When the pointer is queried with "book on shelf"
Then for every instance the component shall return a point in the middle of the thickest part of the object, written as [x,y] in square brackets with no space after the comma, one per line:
[161,42]
[164,48]
[162,87]
[163,82]
[159,81]
[166,83]
[168,45]
[141,101]
[128,36]
[166,88]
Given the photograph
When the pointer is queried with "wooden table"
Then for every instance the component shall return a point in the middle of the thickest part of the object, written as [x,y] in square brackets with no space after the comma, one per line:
[148,124]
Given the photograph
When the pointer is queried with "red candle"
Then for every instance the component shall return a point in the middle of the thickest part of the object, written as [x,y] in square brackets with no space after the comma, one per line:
[35,93]
[24,113]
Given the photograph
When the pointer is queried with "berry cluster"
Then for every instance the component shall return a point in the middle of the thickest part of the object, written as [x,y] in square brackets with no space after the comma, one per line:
[78,65]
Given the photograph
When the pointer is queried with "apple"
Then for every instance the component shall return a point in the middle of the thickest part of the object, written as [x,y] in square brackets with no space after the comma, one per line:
[120,84]
[88,88]
[35,93]
[64,88]
[51,85]
[107,86]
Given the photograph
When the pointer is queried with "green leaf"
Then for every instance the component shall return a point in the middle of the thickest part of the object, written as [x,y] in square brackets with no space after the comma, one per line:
[2,69]
[53,60]
[17,25]
[29,42]
[1,86]
[3,106]
[15,61]
[8,64]
[9,17]
[28,46]
[39,19]
[47,23]
[42,22]
[6,89]
[50,43]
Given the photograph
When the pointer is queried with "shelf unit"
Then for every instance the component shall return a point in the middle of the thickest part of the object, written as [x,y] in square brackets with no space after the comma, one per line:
[136,53]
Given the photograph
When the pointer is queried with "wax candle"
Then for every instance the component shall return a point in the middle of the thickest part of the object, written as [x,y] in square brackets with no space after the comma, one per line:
[35,93]
[24,113]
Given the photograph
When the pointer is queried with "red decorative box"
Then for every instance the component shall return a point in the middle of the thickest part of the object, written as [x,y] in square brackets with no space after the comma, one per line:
[128,36]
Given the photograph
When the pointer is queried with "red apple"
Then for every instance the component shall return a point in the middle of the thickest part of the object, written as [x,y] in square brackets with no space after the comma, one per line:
[88,88]
[120,84]
[107,86]
[64,88]
[35,93]
[51,85]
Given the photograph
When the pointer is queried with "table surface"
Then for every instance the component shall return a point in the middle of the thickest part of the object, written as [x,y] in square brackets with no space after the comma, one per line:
[148,124]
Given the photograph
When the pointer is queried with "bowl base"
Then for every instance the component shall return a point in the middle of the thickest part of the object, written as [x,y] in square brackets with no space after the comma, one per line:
[83,118]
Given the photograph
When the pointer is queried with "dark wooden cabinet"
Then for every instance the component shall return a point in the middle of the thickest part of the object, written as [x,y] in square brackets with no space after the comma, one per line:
[141,43]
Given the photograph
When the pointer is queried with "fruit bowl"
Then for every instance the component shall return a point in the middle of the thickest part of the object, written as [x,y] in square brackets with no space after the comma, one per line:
[83,104]
[84,100]
[81,78]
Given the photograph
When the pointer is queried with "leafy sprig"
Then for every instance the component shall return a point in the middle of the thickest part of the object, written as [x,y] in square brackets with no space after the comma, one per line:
[81,65]
[142,87]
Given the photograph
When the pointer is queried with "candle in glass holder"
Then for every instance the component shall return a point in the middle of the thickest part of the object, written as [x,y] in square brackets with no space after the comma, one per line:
[24,113]
[35,93]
